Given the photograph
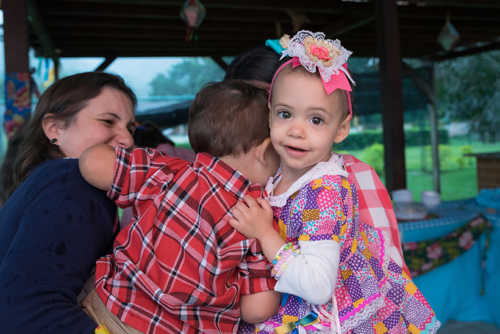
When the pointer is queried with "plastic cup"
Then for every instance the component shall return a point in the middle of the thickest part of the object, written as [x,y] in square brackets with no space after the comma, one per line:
[402,196]
[430,199]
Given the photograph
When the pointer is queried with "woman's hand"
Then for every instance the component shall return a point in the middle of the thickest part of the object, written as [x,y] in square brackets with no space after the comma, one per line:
[254,219]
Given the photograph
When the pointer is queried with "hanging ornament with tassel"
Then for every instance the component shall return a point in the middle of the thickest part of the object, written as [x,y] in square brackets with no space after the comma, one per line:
[193,13]
[449,36]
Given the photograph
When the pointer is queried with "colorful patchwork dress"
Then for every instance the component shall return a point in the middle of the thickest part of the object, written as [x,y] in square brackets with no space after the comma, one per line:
[372,293]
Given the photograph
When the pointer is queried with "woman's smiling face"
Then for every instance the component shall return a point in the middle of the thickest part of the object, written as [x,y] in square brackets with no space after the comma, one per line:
[106,119]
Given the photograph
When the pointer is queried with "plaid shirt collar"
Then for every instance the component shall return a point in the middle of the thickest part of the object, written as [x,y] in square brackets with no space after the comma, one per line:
[233,180]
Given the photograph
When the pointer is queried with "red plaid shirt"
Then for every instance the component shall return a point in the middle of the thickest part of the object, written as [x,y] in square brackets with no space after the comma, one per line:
[180,267]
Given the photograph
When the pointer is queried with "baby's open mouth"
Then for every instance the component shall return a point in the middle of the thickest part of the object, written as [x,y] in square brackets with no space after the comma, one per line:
[295,148]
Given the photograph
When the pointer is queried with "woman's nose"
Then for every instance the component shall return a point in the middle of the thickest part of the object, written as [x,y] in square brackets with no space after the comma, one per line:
[124,138]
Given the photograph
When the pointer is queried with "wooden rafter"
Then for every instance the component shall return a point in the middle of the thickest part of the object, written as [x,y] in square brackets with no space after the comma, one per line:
[219,61]
[107,61]
[466,52]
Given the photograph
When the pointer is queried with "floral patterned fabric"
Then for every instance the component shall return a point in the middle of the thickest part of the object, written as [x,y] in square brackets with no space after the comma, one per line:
[17,102]
[424,256]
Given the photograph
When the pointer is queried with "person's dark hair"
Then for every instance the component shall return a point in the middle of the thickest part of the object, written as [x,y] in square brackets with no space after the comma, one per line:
[258,63]
[147,134]
[228,118]
[61,101]
[7,169]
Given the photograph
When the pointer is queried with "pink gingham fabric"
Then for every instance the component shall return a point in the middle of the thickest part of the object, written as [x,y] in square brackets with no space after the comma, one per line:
[375,206]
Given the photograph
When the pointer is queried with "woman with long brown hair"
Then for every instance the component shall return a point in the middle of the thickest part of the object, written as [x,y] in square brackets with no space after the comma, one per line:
[54,225]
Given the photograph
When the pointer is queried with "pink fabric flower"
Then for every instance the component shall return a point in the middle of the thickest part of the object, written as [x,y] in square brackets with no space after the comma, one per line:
[465,241]
[426,266]
[410,245]
[434,251]
[476,222]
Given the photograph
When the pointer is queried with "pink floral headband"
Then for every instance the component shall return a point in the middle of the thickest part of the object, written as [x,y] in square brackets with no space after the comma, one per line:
[313,52]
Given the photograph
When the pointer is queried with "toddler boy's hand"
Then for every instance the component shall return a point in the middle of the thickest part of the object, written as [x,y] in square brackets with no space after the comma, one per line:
[252,217]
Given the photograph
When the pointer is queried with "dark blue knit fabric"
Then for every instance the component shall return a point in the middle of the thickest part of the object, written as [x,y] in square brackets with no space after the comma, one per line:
[52,230]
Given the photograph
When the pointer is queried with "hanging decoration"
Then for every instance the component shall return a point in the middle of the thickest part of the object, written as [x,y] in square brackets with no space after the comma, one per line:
[48,72]
[193,13]
[17,101]
[449,36]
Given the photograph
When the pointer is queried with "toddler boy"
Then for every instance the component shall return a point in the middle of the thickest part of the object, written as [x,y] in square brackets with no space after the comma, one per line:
[179,266]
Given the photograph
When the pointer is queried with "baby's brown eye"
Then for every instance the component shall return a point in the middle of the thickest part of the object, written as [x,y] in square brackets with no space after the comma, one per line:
[316,121]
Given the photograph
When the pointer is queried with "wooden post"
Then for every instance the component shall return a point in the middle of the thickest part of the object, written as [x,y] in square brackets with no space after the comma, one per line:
[57,67]
[388,49]
[17,73]
[436,172]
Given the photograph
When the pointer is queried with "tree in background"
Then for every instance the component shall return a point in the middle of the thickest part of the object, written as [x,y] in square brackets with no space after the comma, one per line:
[468,89]
[186,77]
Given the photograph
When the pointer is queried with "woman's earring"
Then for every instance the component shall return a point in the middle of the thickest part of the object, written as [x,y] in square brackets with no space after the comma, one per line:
[53,140]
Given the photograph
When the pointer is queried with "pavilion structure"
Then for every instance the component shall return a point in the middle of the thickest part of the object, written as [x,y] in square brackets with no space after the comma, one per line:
[387,29]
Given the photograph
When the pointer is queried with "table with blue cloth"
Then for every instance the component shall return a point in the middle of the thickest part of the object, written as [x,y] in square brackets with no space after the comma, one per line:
[454,257]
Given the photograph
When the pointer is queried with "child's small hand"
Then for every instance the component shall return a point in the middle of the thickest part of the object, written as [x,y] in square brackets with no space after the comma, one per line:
[252,217]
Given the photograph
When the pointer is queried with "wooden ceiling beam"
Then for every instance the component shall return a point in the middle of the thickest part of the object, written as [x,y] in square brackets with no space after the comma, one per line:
[160,19]
[138,38]
[321,6]
[254,14]
[466,52]
[473,26]
[227,29]
[212,52]
[131,25]
[463,3]
[294,4]
[456,14]
[107,61]
[101,52]
[125,45]
[153,12]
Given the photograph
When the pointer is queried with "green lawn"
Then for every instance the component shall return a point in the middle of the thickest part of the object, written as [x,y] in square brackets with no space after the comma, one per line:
[458,181]
[455,184]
